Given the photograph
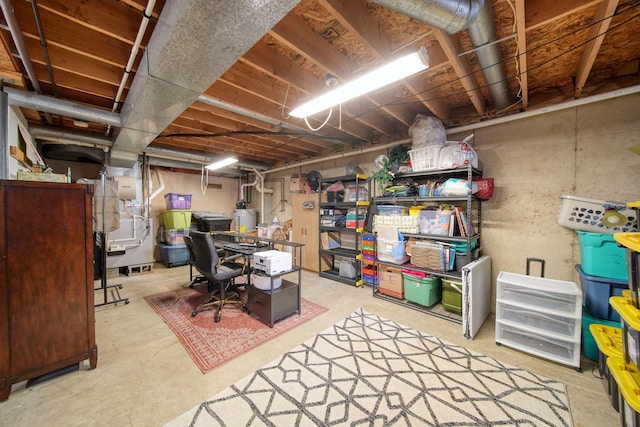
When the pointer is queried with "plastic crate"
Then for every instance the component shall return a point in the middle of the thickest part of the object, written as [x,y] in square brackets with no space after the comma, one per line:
[601,256]
[425,291]
[392,251]
[597,291]
[175,236]
[589,347]
[597,216]
[425,158]
[627,378]
[177,201]
[435,222]
[609,342]
[176,218]
[174,255]
[630,324]
[389,210]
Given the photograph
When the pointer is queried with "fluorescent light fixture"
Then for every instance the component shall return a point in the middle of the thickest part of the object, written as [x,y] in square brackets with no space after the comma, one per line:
[386,74]
[222,163]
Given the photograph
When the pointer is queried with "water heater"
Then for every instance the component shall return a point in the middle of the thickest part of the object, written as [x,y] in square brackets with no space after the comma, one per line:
[244,220]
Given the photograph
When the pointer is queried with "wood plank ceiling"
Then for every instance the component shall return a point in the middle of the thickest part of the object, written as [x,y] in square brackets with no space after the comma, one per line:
[551,52]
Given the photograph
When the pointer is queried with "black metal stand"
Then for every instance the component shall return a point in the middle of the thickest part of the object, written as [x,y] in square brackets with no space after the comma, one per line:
[103,277]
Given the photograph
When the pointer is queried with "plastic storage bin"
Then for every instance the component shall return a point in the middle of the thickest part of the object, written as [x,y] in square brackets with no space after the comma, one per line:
[627,378]
[425,158]
[597,291]
[601,256]
[392,251]
[609,342]
[369,274]
[452,295]
[597,216]
[176,218]
[435,222]
[425,291]
[211,221]
[388,210]
[174,255]
[630,324]
[631,242]
[175,236]
[589,347]
[177,201]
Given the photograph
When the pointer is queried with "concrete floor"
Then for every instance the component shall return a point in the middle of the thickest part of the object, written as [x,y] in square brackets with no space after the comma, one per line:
[145,378]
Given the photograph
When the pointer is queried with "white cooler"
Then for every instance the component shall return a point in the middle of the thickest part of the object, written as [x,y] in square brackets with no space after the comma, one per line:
[272,262]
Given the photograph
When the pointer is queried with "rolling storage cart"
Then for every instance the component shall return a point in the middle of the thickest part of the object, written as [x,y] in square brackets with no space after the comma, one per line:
[539,316]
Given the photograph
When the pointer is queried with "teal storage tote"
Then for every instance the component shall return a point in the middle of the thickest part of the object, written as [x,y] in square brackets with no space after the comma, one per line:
[425,291]
[601,256]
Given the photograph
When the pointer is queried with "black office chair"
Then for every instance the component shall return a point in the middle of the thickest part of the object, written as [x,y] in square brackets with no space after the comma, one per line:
[198,278]
[219,271]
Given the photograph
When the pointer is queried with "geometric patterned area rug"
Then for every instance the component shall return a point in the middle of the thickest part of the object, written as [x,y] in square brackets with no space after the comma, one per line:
[212,344]
[370,371]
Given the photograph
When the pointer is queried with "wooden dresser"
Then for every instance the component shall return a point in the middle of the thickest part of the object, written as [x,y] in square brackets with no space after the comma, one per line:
[47,319]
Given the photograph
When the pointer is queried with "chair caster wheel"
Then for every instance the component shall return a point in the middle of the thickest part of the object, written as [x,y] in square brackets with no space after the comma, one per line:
[217,317]
[194,314]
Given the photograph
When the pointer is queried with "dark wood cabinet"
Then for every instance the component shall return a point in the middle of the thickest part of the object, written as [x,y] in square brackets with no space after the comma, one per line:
[47,319]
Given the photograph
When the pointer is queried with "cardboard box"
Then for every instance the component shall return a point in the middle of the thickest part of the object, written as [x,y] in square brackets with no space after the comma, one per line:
[330,240]
[297,184]
[390,281]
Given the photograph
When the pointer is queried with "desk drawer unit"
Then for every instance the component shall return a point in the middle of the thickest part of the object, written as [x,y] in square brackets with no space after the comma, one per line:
[539,316]
[271,306]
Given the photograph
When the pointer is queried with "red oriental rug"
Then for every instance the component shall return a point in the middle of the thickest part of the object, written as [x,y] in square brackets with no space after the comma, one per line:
[212,344]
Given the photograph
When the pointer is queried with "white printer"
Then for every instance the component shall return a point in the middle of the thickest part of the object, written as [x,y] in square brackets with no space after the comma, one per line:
[272,262]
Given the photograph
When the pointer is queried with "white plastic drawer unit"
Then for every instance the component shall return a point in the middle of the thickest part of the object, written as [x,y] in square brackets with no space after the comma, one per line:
[552,325]
[537,293]
[562,351]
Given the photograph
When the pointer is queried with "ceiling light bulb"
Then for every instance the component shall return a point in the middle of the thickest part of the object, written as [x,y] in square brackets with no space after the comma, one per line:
[222,163]
[375,79]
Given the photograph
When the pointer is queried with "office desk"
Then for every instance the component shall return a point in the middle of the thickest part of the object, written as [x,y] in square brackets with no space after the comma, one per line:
[270,305]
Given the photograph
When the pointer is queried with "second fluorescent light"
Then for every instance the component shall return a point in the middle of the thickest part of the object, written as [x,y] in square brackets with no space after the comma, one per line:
[382,76]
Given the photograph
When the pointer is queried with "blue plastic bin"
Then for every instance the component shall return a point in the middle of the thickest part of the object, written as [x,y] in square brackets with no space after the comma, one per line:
[596,292]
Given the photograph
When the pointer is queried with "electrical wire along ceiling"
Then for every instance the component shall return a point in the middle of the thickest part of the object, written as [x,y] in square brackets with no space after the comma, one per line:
[200,81]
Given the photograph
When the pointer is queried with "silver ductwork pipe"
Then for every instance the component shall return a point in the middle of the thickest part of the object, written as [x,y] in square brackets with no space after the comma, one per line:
[49,104]
[448,15]
[57,134]
[453,16]
[482,34]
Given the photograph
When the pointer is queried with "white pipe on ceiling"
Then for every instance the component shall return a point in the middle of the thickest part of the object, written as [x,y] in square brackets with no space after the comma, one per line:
[146,16]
